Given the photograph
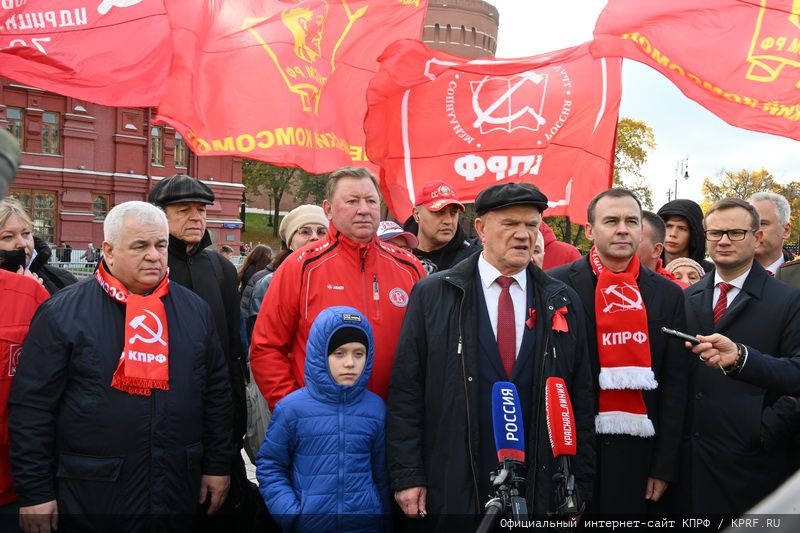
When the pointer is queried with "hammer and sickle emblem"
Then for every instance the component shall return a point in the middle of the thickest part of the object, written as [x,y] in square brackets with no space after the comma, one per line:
[155,336]
[776,41]
[485,116]
[624,303]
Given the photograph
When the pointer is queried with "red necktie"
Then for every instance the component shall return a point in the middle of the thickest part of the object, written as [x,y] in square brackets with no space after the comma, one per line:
[506,326]
[722,301]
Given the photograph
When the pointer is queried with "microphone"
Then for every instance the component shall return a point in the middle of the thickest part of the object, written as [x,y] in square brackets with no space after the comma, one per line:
[563,442]
[509,438]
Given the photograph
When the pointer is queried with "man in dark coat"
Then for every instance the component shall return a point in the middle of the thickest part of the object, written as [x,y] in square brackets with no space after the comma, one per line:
[440,445]
[105,442]
[632,468]
[213,278]
[684,221]
[442,242]
[738,442]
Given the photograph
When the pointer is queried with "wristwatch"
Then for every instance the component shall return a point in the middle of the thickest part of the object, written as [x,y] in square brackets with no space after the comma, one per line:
[741,357]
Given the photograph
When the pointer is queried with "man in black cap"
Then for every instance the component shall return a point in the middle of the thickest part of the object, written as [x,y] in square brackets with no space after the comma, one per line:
[640,375]
[213,278]
[493,317]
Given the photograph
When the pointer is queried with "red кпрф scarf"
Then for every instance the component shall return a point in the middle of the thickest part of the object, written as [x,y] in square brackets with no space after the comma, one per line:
[144,363]
[623,345]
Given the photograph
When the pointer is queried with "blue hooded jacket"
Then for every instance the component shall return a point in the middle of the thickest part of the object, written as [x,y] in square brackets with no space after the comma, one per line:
[324,452]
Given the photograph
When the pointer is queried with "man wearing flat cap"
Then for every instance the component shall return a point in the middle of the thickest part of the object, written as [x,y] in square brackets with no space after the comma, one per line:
[209,275]
[493,317]
[640,376]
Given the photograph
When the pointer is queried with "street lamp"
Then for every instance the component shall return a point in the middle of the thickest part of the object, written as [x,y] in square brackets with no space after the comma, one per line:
[682,171]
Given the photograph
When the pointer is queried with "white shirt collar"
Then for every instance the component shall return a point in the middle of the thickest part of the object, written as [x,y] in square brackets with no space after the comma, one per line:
[489,274]
[776,265]
[736,282]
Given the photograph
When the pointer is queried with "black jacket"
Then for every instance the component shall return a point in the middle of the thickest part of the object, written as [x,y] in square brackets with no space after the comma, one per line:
[99,450]
[692,212]
[217,284]
[53,278]
[737,445]
[452,253]
[625,462]
[432,427]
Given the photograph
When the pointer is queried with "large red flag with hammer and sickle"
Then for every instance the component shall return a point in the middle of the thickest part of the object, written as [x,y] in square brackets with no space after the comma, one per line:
[740,59]
[277,80]
[549,120]
[111,52]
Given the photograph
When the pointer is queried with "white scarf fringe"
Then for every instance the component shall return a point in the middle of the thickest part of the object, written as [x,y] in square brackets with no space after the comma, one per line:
[622,423]
[627,377]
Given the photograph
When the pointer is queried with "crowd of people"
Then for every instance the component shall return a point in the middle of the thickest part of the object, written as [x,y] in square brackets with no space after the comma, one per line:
[356,366]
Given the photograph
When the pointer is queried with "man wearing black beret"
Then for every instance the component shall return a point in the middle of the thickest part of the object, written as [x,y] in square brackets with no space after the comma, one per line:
[209,275]
[493,317]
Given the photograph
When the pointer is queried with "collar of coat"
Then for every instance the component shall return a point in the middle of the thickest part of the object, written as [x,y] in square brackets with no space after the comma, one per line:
[178,247]
[462,276]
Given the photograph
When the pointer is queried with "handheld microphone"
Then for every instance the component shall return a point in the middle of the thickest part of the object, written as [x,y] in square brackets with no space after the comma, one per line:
[563,442]
[509,438]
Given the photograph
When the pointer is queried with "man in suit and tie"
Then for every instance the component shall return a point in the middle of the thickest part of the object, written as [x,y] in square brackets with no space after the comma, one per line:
[738,437]
[493,317]
[640,375]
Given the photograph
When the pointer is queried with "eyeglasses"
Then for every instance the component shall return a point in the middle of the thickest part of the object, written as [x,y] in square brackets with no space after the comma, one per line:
[305,231]
[715,235]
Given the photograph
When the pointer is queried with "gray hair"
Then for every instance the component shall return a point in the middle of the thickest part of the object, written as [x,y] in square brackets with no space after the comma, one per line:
[144,212]
[780,202]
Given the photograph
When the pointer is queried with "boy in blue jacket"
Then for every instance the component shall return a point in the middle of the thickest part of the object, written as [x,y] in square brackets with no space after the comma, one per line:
[324,452]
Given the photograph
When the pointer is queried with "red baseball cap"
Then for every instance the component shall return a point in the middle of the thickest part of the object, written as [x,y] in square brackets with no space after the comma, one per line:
[435,195]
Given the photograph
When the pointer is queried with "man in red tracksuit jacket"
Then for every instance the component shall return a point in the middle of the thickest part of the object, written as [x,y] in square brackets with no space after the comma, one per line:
[556,253]
[351,266]
[21,297]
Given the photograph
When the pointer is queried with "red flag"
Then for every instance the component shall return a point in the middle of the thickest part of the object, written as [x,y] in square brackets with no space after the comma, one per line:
[549,120]
[280,81]
[111,52]
[737,58]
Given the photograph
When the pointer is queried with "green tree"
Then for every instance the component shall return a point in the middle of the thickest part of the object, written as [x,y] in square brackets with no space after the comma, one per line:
[744,183]
[635,141]
[741,184]
[274,181]
[311,188]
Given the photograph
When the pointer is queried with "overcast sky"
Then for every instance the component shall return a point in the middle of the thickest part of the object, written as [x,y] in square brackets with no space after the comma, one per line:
[682,127]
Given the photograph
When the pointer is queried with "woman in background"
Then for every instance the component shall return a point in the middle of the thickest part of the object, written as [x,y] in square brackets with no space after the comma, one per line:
[23,253]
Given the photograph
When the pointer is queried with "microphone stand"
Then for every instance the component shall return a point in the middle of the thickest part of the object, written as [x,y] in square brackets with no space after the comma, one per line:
[568,500]
[509,495]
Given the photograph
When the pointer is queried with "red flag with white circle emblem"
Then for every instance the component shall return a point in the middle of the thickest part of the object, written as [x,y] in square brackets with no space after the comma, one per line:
[549,120]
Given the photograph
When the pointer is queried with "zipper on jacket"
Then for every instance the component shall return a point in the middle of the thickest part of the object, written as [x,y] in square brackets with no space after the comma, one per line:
[460,353]
[376,297]
[340,487]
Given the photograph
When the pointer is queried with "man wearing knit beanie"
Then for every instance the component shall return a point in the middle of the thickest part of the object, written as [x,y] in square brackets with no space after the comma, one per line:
[349,266]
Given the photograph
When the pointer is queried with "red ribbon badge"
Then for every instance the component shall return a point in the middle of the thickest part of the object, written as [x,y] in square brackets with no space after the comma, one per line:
[531,318]
[559,322]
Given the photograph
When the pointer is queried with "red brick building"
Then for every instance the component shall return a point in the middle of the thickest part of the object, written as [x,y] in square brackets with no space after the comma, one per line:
[80,159]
